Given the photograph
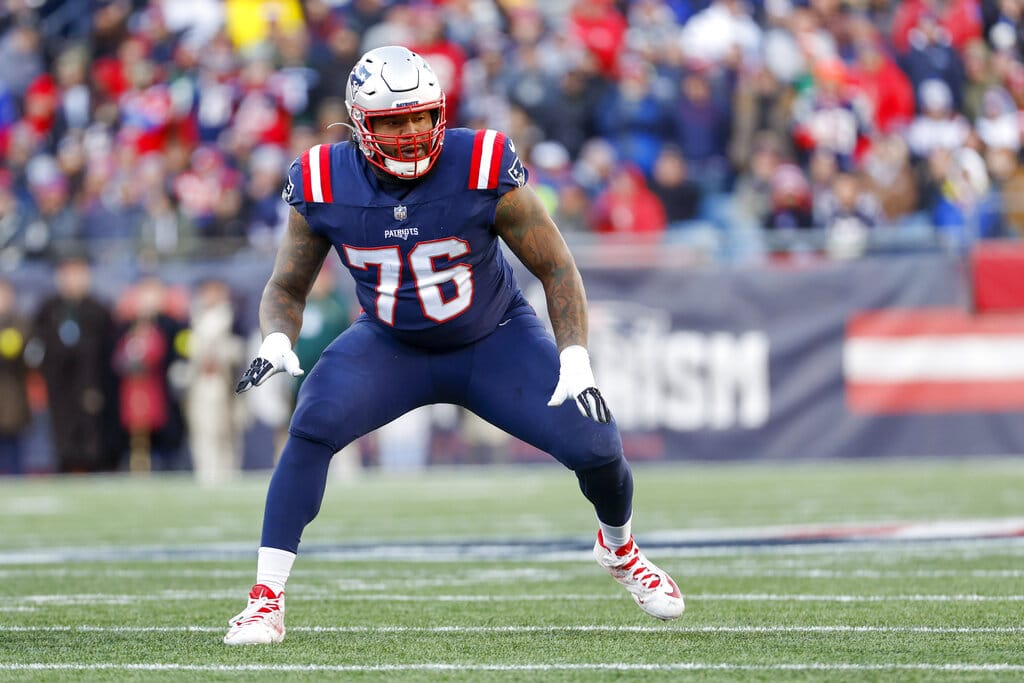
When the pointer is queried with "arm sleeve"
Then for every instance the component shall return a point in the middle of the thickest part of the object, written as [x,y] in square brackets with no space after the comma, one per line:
[294,190]
[513,173]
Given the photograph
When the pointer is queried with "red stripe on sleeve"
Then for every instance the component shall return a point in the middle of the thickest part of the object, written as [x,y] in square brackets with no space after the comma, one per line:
[496,153]
[307,189]
[325,172]
[474,165]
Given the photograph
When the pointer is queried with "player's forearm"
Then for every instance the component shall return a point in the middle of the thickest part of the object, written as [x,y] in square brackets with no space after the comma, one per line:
[281,310]
[567,306]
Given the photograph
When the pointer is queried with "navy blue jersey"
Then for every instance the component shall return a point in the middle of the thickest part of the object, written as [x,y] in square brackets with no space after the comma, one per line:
[426,261]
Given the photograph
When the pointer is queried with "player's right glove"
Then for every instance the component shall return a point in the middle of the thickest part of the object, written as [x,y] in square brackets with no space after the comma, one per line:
[275,355]
[576,381]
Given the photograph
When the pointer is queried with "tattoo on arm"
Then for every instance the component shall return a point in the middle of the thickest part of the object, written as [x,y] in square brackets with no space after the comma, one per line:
[524,224]
[299,259]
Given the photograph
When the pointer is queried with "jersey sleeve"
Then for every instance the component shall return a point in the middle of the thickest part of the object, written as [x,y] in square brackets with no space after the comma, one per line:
[495,165]
[310,179]
[294,191]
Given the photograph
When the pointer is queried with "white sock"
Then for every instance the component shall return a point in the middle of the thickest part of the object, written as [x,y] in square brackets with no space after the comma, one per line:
[273,567]
[616,536]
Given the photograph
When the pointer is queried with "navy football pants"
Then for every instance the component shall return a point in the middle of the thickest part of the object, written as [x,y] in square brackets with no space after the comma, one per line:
[366,378]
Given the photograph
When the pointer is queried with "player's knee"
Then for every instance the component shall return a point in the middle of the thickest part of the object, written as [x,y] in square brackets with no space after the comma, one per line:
[318,419]
[597,447]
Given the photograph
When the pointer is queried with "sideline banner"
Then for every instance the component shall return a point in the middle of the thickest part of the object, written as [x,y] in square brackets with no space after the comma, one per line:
[862,359]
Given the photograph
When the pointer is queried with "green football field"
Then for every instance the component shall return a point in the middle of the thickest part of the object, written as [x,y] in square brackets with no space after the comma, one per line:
[909,570]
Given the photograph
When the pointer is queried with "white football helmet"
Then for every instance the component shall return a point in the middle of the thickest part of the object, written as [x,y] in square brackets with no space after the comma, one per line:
[394,80]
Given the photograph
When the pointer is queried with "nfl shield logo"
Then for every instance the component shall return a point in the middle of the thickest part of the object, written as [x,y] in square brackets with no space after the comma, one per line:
[401,213]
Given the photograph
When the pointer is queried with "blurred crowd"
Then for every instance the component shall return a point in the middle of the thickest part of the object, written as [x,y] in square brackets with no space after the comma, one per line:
[161,129]
[144,382]
[148,131]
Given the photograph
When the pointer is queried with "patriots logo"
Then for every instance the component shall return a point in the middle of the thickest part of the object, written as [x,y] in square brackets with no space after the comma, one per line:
[517,172]
[286,193]
[359,76]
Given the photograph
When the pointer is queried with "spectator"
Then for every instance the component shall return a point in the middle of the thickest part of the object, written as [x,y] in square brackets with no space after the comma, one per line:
[486,103]
[889,176]
[979,76]
[939,125]
[15,415]
[601,29]
[791,202]
[827,118]
[636,115]
[652,32]
[333,52]
[887,91]
[267,213]
[21,53]
[13,212]
[572,212]
[627,206]
[145,350]
[753,193]
[73,338]
[999,122]
[571,120]
[1007,176]
[761,105]
[821,174]
[678,192]
[209,193]
[703,118]
[963,208]
[1007,172]
[959,20]
[933,57]
[51,223]
[724,32]
[216,353]
[1003,23]
[849,218]
[550,171]
[445,56]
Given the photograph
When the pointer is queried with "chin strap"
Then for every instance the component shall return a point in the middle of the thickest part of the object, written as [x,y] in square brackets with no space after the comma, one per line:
[407,169]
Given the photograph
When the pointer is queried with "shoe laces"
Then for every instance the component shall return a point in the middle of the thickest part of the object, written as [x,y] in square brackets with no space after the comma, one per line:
[637,566]
[258,608]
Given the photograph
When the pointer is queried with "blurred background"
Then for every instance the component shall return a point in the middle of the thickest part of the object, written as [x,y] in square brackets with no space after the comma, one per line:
[799,222]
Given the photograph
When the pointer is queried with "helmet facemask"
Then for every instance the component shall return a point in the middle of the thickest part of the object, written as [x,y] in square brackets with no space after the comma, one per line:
[392,81]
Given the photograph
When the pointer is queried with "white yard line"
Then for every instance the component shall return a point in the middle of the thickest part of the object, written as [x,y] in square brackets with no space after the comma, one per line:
[437,667]
[347,577]
[583,628]
[334,596]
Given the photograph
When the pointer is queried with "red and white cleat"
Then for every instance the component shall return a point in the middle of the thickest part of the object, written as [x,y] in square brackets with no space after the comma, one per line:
[652,588]
[261,622]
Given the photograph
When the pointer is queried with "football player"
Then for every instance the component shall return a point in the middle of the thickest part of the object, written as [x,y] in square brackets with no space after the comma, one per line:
[416,211]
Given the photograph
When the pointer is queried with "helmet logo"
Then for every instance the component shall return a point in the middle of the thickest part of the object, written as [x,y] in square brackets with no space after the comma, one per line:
[359,76]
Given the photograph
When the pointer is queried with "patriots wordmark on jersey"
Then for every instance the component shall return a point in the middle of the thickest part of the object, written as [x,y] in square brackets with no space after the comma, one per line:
[423,253]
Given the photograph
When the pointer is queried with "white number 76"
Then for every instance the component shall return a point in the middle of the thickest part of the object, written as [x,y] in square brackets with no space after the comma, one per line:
[427,278]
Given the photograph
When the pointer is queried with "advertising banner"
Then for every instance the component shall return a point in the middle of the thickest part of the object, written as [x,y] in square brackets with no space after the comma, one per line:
[869,358]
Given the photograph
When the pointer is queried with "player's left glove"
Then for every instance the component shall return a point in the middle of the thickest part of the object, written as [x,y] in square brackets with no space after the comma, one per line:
[275,355]
[576,381]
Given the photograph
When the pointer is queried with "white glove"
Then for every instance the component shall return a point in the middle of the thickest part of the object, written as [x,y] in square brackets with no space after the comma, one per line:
[576,381]
[275,355]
